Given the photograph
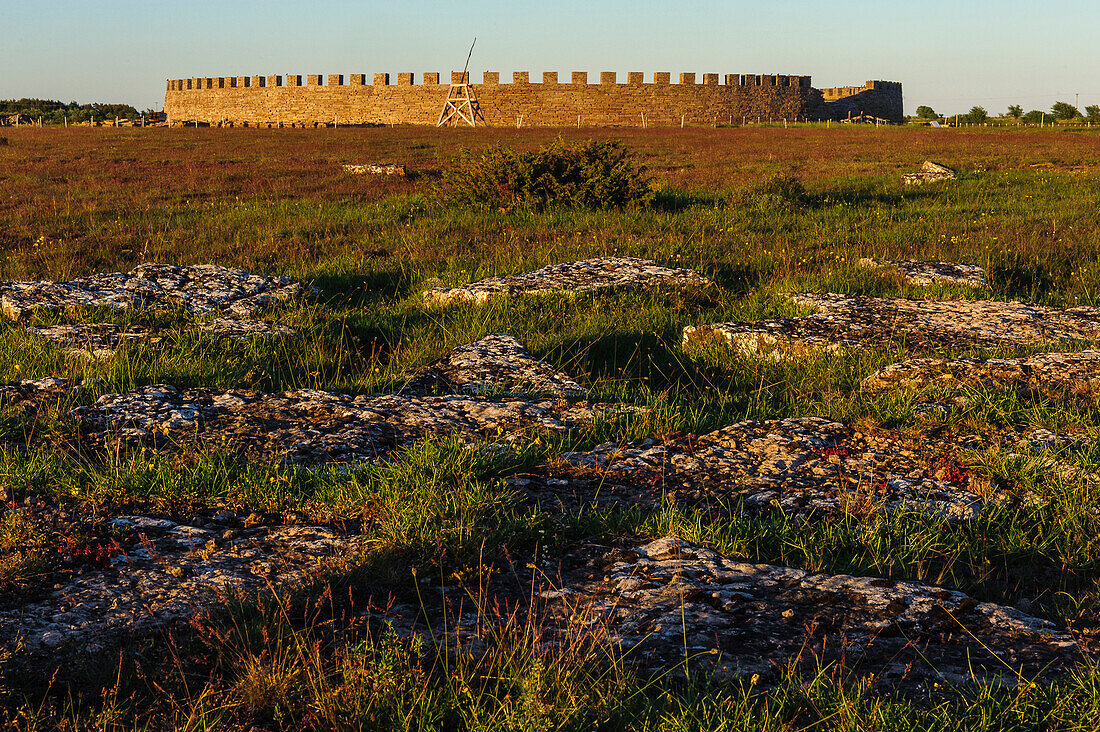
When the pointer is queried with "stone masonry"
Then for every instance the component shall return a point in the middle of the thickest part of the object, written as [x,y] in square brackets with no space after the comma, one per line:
[339,99]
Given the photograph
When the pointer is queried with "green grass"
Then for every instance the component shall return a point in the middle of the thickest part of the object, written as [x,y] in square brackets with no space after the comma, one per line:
[73,202]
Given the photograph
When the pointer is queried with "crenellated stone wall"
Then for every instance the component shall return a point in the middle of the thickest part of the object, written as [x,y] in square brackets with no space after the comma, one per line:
[880,99]
[551,102]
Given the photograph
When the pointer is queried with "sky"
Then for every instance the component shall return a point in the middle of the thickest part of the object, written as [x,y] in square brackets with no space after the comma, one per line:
[948,54]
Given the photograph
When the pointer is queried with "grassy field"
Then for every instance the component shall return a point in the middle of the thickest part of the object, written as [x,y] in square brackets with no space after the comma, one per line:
[73,202]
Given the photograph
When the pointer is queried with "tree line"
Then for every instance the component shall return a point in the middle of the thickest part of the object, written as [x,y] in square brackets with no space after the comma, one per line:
[1060,112]
[51,111]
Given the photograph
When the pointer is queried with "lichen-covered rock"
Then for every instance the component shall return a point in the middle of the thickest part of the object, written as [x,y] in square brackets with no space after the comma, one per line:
[802,467]
[149,571]
[670,602]
[99,341]
[375,169]
[34,393]
[318,426]
[604,273]
[929,173]
[198,289]
[495,364]
[924,274]
[1050,374]
[848,321]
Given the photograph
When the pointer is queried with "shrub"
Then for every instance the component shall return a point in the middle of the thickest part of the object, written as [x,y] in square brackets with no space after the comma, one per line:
[3,141]
[586,175]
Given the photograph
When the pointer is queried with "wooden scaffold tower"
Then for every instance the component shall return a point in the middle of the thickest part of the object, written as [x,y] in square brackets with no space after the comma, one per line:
[461,105]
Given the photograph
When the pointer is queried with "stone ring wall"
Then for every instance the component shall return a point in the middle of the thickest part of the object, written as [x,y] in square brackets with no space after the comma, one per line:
[280,101]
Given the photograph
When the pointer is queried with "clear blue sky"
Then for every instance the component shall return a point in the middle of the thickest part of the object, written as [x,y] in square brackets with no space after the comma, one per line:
[949,54]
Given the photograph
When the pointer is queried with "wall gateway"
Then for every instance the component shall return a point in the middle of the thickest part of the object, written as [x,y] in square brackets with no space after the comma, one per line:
[553,101]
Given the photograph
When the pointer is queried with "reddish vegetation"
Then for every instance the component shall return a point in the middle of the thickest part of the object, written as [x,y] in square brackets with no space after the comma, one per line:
[950,470]
[92,553]
[834,451]
[110,198]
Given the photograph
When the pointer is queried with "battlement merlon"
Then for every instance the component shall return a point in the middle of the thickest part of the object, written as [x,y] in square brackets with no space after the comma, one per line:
[493,77]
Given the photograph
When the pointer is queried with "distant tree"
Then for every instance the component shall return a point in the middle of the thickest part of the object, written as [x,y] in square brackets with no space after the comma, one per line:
[975,116]
[1064,111]
[1033,117]
[1015,110]
[1093,113]
[926,112]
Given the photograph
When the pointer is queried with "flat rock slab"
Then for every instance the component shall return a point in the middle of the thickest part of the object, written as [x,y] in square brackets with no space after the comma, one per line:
[199,289]
[853,321]
[99,341]
[802,467]
[375,169]
[924,274]
[669,600]
[496,364]
[149,571]
[589,275]
[929,173]
[35,393]
[311,426]
[1049,374]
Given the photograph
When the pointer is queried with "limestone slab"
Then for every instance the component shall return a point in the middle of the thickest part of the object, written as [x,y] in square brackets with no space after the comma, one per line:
[1050,374]
[929,172]
[142,572]
[198,289]
[924,274]
[99,341]
[375,169]
[312,426]
[495,364]
[604,273]
[34,393]
[668,601]
[849,321]
[803,467]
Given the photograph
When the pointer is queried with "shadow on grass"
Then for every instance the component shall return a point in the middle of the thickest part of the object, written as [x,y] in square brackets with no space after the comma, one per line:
[735,278]
[645,357]
[670,201]
[358,290]
[1032,283]
[866,195]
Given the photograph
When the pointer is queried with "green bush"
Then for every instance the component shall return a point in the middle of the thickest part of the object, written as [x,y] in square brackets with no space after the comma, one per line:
[586,175]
